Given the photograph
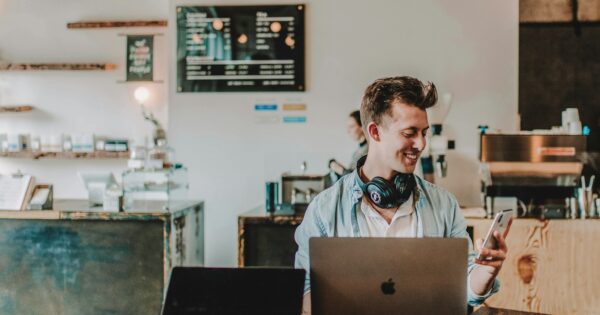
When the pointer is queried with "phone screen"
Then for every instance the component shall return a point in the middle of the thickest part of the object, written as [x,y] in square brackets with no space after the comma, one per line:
[501,223]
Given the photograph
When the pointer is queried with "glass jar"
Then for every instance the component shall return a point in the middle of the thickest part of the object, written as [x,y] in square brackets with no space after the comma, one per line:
[160,156]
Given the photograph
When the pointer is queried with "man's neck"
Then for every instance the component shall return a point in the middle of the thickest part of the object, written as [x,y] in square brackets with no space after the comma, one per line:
[373,168]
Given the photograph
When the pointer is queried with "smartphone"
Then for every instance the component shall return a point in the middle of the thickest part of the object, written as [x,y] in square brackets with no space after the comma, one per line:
[501,223]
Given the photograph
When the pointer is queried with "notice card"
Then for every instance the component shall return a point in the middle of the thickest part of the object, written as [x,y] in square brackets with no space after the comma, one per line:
[13,191]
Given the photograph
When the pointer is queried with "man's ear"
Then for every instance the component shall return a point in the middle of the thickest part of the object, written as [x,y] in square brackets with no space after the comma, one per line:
[373,131]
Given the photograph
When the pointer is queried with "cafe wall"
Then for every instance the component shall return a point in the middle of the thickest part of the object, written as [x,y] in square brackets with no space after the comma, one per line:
[468,48]
[74,101]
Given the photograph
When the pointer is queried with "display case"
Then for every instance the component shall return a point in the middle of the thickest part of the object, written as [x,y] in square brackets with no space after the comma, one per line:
[154,189]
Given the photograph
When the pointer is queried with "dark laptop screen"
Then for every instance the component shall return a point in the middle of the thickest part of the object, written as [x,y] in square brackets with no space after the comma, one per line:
[220,291]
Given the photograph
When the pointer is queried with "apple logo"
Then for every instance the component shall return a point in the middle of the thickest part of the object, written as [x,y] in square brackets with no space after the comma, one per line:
[388,287]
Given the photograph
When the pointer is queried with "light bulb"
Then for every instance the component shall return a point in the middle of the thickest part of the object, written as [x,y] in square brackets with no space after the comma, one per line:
[141,94]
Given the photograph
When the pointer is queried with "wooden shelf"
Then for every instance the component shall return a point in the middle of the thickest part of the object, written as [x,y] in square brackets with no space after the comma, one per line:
[113,24]
[56,66]
[15,109]
[97,155]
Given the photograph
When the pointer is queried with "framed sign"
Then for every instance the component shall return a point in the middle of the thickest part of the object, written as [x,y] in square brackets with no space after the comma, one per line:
[240,48]
[140,57]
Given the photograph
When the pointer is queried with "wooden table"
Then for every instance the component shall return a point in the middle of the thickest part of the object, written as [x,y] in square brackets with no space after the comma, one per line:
[78,260]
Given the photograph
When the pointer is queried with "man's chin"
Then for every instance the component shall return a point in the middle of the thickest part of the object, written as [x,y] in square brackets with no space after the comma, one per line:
[406,168]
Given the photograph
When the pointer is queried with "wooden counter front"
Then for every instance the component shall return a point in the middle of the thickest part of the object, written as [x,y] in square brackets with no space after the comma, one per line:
[552,267]
[79,260]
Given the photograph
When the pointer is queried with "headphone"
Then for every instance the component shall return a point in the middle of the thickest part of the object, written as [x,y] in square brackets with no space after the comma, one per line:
[388,194]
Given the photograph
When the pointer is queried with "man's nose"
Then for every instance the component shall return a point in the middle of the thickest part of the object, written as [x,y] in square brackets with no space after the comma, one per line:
[420,142]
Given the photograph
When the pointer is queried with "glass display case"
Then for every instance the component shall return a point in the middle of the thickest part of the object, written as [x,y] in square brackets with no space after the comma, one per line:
[154,190]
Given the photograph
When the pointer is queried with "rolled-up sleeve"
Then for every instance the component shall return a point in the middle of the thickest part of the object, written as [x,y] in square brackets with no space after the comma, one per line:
[459,229]
[311,226]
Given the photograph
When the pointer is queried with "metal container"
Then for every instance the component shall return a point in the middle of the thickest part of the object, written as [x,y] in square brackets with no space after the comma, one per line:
[299,190]
[539,170]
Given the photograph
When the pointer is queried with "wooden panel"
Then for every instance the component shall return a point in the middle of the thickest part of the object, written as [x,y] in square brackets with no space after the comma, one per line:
[545,11]
[110,24]
[15,109]
[589,10]
[56,66]
[265,240]
[552,266]
[81,267]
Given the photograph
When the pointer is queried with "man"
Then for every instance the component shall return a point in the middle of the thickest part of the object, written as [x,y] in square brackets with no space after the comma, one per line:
[394,117]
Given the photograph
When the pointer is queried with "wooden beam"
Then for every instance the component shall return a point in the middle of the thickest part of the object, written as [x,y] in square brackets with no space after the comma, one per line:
[545,11]
[589,11]
[112,24]
[56,66]
[15,109]
[558,11]
[66,155]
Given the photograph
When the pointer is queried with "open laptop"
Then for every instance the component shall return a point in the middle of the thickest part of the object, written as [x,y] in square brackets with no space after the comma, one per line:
[388,275]
[225,291]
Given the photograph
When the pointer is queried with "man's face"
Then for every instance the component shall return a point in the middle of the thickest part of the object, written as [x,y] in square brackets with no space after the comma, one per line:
[354,130]
[402,137]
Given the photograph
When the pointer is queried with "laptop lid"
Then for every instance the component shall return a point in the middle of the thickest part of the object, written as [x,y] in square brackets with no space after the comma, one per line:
[224,291]
[388,275]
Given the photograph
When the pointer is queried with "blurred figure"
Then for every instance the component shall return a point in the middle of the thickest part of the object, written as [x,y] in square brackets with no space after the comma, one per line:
[355,130]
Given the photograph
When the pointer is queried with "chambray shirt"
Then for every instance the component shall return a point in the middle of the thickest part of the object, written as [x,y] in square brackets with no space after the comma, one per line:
[333,214]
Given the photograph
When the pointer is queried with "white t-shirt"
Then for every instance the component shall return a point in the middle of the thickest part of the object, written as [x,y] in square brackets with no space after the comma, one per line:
[403,224]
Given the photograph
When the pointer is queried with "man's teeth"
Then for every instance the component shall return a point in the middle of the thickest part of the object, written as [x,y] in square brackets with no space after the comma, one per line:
[411,156]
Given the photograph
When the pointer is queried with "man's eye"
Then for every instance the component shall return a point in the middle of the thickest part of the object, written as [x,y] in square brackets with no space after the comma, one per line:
[409,134]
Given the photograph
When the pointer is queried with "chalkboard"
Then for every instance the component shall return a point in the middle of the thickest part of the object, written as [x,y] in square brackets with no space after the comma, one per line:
[240,48]
[139,57]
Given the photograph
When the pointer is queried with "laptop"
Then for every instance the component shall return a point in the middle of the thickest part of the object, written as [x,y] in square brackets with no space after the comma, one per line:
[225,291]
[388,275]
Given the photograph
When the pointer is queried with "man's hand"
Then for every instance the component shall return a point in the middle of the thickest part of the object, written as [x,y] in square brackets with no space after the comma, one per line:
[336,167]
[492,259]
[482,277]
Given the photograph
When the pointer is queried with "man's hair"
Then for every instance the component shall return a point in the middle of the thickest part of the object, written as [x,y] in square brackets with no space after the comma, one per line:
[356,115]
[381,94]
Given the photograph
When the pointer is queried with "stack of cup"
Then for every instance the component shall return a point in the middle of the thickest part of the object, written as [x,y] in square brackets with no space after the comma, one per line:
[570,121]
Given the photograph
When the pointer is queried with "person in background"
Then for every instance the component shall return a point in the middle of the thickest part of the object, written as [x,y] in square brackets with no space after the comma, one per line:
[355,130]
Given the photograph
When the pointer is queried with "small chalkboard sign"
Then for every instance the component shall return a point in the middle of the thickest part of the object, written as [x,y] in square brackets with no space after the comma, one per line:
[140,57]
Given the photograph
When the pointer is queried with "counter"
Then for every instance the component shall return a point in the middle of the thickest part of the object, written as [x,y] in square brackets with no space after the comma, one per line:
[76,259]
[553,266]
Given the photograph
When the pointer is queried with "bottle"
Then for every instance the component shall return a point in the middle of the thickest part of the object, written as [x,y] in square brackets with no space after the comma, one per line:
[160,156]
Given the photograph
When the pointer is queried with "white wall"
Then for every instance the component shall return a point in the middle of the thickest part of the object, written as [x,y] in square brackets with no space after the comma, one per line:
[466,47]
[74,101]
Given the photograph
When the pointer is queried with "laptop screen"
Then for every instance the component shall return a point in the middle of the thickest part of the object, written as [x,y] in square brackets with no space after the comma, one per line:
[220,291]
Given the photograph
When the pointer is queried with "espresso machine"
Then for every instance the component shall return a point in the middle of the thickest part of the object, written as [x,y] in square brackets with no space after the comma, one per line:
[299,190]
[541,171]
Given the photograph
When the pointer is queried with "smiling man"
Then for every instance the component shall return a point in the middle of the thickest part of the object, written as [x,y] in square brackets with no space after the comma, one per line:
[383,198]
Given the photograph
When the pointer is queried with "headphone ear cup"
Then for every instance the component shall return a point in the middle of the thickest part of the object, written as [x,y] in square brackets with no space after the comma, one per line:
[381,192]
[404,185]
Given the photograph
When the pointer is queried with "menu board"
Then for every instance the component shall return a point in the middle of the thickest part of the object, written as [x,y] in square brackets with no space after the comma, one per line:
[240,48]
